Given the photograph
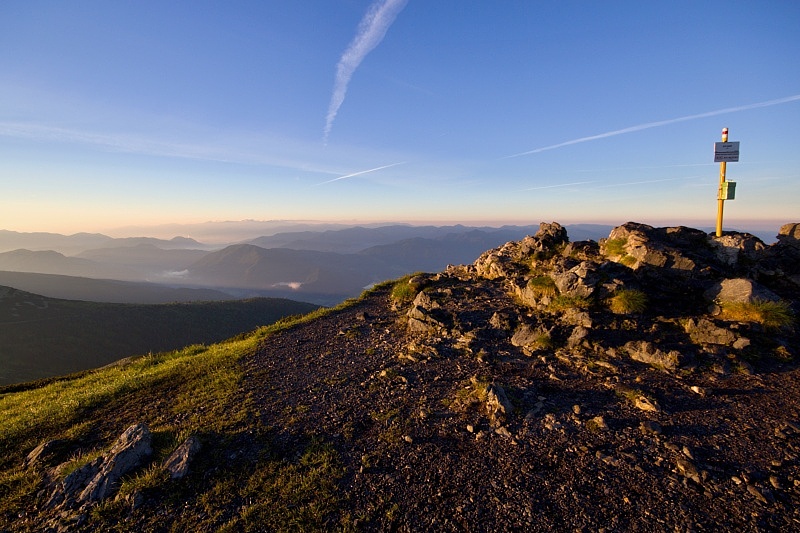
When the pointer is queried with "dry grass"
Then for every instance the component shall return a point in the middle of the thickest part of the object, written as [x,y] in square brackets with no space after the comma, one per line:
[770,314]
[542,286]
[615,247]
[628,301]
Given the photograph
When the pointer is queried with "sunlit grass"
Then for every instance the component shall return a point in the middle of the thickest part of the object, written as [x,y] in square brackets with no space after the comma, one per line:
[542,286]
[196,390]
[404,290]
[29,414]
[615,247]
[627,301]
[770,314]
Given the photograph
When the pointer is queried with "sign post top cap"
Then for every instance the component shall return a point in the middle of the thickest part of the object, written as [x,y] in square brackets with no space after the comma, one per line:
[724,130]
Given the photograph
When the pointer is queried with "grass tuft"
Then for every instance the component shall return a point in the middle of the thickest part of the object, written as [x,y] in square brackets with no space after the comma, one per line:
[628,301]
[616,247]
[404,290]
[770,314]
[542,286]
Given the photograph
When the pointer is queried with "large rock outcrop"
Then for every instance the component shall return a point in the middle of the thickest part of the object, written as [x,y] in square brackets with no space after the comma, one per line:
[98,479]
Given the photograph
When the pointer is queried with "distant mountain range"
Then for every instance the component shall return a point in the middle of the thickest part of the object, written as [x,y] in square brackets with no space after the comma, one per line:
[324,266]
[73,244]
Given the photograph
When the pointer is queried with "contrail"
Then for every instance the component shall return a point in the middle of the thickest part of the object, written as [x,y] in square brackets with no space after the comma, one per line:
[647,182]
[660,123]
[370,33]
[361,172]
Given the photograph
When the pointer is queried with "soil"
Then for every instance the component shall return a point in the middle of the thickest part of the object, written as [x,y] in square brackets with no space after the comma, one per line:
[717,449]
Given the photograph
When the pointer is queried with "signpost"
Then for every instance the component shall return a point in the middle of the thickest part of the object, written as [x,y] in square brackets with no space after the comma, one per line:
[724,152]
[727,152]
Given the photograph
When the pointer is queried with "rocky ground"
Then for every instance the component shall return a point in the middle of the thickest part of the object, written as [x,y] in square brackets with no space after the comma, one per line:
[648,382]
[481,406]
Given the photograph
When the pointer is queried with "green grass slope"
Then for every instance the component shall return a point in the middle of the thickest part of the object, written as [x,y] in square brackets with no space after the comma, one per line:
[42,337]
[189,391]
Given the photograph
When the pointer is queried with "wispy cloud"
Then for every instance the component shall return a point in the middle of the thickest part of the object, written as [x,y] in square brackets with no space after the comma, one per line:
[114,141]
[370,33]
[240,148]
[656,124]
[360,173]
[599,185]
[557,186]
[643,182]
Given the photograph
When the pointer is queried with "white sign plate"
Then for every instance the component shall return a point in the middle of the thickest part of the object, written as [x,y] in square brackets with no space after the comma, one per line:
[728,152]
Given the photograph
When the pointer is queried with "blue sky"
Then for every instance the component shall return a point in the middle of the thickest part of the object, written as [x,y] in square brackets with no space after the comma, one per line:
[136,113]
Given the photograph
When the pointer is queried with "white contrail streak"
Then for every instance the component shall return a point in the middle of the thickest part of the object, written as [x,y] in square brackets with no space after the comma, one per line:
[361,172]
[647,182]
[370,33]
[660,123]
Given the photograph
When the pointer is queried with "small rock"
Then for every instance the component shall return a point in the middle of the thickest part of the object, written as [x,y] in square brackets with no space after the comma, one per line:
[598,423]
[177,464]
[408,439]
[42,451]
[503,431]
[687,469]
[645,404]
[752,489]
[649,426]
[497,405]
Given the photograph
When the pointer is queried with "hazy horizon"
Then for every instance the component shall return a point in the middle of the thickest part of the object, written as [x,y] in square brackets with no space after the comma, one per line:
[116,115]
[227,231]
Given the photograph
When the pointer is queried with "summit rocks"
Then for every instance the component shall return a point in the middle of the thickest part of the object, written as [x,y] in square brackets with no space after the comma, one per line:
[548,386]
[508,395]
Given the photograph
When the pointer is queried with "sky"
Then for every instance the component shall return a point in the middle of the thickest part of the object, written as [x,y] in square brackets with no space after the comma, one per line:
[137,113]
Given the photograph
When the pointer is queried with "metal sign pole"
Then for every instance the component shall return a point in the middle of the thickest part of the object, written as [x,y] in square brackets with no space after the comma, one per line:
[720,195]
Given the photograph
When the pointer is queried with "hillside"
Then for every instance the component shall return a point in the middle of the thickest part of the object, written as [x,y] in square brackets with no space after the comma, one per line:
[645,382]
[106,290]
[44,337]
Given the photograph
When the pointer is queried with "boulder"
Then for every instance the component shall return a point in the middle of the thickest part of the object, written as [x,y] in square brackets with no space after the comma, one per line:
[704,331]
[177,464]
[530,338]
[426,315]
[514,258]
[789,234]
[498,408]
[43,452]
[731,248]
[648,353]
[680,250]
[128,453]
[100,478]
[579,333]
[739,290]
[549,236]
[66,492]
[577,281]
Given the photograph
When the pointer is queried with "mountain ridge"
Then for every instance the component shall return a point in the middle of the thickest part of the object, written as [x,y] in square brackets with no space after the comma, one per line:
[549,385]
